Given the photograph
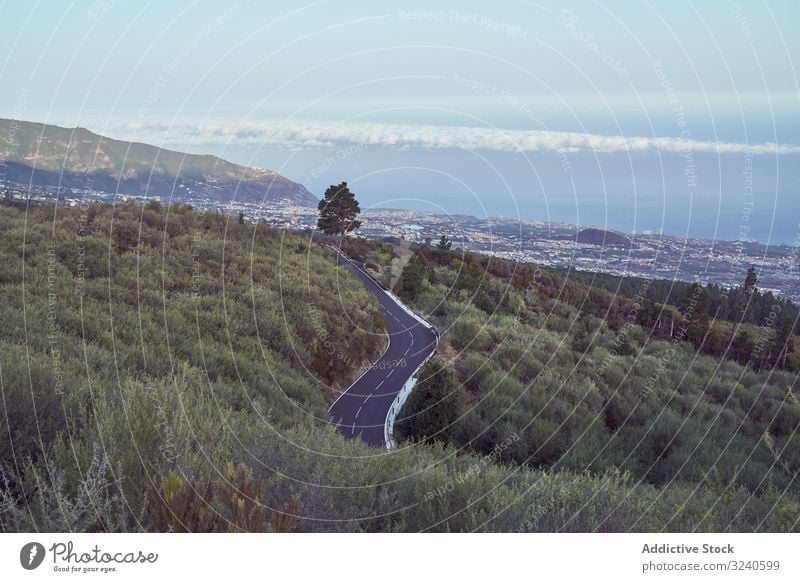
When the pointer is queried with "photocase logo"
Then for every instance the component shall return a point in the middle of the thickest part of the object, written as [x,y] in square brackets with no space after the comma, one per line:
[31,555]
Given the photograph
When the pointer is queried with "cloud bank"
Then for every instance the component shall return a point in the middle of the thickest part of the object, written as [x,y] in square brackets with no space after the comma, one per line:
[305,134]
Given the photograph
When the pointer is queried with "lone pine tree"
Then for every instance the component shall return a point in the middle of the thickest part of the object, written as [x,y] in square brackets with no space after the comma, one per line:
[338,210]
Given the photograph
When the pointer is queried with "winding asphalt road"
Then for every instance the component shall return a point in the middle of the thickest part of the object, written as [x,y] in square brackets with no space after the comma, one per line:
[362,409]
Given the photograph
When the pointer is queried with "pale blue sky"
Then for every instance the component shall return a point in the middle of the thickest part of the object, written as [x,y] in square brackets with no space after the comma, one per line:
[338,58]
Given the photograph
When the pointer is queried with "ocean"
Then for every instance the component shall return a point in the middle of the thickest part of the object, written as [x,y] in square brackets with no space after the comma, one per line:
[694,193]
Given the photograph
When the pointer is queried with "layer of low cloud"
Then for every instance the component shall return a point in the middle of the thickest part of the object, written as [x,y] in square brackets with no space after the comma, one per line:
[305,134]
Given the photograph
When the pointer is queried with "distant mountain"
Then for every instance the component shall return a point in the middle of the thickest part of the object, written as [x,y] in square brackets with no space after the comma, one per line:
[48,155]
[606,238]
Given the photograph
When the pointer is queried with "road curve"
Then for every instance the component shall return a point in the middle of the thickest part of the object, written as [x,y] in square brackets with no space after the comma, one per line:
[361,410]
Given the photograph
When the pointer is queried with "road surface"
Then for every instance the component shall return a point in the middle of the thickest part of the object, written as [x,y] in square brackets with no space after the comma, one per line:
[362,409]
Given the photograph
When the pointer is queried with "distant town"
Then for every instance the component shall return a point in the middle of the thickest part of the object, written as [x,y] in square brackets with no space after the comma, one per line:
[548,244]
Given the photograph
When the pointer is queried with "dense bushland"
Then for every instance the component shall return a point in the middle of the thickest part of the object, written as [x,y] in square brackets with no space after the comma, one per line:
[163,369]
[124,327]
[723,303]
[572,379]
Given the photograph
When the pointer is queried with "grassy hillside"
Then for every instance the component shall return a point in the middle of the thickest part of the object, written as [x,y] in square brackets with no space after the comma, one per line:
[557,370]
[167,370]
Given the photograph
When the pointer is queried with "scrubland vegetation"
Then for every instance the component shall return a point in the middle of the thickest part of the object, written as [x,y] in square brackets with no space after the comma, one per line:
[164,369]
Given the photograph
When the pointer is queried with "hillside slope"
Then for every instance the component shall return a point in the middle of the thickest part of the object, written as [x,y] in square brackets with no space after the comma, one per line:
[573,377]
[163,369]
[49,155]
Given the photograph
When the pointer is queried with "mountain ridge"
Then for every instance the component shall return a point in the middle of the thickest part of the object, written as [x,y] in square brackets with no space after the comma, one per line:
[41,154]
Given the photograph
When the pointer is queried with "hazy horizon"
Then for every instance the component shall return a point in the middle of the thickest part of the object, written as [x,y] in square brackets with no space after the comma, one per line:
[630,183]
[679,118]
